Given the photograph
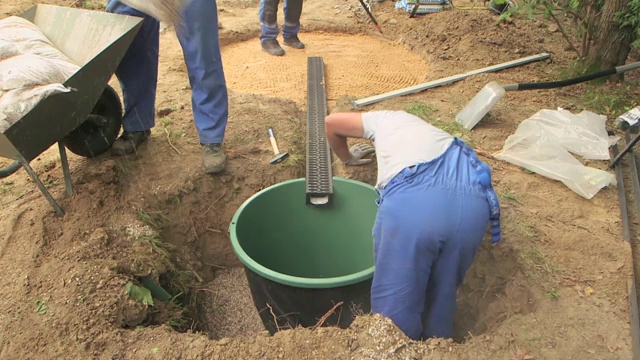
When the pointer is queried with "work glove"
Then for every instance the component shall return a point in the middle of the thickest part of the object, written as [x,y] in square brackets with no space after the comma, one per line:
[359,151]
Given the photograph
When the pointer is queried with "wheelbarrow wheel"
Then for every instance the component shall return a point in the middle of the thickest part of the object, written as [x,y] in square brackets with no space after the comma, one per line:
[96,134]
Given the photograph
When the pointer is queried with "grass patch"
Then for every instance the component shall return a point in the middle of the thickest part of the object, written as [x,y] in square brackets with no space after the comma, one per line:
[553,294]
[425,112]
[158,257]
[610,100]
[526,230]
[536,263]
[295,161]
[510,197]
[154,219]
[6,186]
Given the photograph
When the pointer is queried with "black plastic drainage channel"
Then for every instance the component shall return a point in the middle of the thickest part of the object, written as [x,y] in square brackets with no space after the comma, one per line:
[319,175]
[626,233]
[307,265]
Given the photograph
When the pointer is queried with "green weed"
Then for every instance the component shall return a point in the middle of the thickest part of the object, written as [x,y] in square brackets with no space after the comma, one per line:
[552,294]
[534,259]
[610,100]
[425,112]
[510,197]
[153,219]
[6,186]
[41,307]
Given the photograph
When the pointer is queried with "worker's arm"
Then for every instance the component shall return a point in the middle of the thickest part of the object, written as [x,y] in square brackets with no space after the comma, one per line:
[339,127]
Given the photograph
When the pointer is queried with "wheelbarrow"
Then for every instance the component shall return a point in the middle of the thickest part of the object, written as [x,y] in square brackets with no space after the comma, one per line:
[88,119]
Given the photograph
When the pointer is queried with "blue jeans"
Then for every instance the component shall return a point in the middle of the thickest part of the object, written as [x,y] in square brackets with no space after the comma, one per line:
[138,71]
[431,220]
[269,19]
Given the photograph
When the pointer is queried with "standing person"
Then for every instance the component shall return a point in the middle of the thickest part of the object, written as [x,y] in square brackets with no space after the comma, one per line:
[138,76]
[269,25]
[435,203]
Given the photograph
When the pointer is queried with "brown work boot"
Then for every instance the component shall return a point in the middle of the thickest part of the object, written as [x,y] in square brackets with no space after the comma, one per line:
[128,142]
[272,47]
[294,42]
[214,159]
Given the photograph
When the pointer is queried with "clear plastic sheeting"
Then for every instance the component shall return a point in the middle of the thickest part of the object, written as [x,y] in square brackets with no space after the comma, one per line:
[543,144]
[31,69]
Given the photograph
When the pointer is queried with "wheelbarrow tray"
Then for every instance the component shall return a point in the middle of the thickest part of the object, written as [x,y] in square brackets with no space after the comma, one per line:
[96,41]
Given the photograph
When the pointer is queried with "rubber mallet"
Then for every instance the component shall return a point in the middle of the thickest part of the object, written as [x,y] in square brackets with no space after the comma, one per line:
[279,157]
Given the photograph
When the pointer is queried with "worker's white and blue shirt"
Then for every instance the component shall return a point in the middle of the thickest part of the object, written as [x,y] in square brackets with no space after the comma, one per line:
[403,140]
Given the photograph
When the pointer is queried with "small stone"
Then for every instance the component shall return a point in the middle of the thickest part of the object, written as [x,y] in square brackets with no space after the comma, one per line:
[393,21]
[224,341]
[553,28]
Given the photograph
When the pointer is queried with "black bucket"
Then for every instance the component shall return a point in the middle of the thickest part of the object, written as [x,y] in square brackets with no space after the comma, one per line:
[307,265]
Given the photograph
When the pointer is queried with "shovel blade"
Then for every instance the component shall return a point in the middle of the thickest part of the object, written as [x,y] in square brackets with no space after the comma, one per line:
[480,105]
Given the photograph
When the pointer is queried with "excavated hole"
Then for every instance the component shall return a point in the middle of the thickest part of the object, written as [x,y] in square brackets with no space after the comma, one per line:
[222,305]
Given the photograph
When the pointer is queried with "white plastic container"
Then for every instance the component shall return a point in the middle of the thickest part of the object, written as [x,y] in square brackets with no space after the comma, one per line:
[480,105]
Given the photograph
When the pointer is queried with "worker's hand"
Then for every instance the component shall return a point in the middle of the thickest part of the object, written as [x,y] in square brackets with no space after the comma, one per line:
[358,152]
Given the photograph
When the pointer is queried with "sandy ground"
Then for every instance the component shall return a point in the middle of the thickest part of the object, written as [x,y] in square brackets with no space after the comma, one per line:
[555,288]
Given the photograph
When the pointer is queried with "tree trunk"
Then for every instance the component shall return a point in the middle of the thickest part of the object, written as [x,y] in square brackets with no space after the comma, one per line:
[611,43]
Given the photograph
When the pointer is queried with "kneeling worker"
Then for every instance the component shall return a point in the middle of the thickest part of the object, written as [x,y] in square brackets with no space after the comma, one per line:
[435,203]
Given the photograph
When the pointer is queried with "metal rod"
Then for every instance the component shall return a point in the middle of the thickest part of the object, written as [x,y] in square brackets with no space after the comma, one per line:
[634,173]
[414,11]
[635,319]
[633,291]
[65,168]
[448,80]
[624,151]
[624,211]
[371,16]
[42,188]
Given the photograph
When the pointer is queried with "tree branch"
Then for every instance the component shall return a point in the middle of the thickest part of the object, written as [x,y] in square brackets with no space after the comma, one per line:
[564,33]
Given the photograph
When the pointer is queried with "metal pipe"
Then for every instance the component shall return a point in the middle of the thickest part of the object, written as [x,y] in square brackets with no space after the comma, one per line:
[42,188]
[626,234]
[624,211]
[448,80]
[624,151]
[635,180]
[65,168]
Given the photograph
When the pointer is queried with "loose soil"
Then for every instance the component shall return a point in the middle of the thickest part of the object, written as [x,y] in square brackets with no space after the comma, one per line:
[555,288]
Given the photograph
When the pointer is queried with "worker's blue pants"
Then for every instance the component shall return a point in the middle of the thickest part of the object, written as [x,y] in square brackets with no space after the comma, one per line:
[268,15]
[431,220]
[138,71]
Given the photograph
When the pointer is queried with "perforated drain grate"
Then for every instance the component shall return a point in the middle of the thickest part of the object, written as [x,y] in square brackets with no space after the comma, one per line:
[319,176]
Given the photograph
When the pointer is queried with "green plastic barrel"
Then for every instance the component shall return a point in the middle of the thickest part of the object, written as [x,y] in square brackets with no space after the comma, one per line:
[302,260]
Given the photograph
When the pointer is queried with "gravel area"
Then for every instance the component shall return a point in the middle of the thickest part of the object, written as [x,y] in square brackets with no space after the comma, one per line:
[229,308]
